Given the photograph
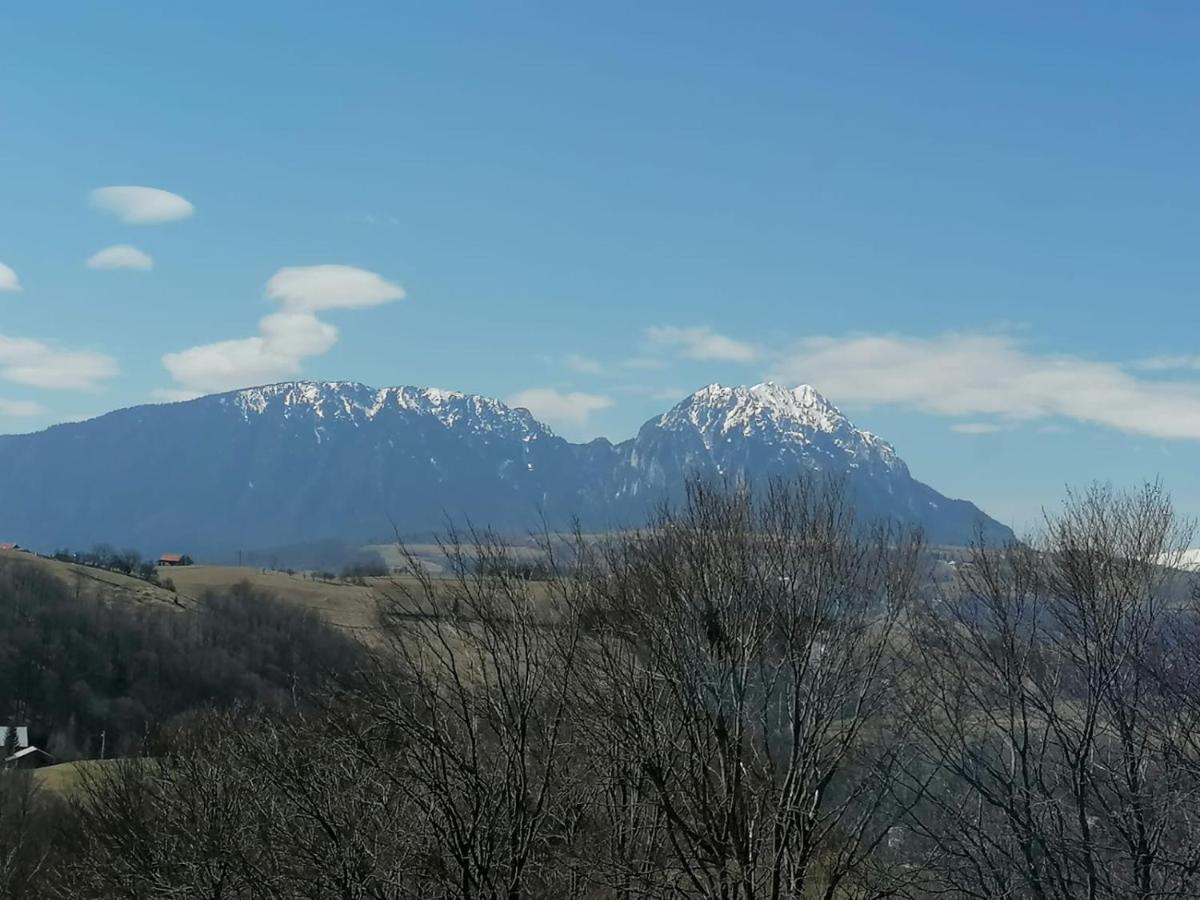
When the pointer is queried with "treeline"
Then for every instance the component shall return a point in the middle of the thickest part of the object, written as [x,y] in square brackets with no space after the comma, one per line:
[85,674]
[126,562]
[754,697]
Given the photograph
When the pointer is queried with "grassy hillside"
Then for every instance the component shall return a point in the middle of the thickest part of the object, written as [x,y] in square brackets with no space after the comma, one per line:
[348,606]
[107,585]
[63,779]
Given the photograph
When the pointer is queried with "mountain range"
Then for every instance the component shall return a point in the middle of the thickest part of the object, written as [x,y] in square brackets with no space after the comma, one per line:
[303,461]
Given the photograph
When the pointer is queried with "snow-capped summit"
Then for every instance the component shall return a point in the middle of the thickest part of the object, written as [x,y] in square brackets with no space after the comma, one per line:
[743,407]
[303,461]
[766,431]
[797,417]
[357,403]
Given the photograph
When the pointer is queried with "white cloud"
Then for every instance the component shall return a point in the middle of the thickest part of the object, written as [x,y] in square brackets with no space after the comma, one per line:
[966,374]
[40,364]
[559,408]
[226,365]
[121,256]
[1168,363]
[21,408]
[277,353]
[584,365]
[315,288]
[8,279]
[285,338]
[702,343]
[135,205]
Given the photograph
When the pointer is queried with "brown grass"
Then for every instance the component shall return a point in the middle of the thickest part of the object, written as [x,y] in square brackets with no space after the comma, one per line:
[65,778]
[95,582]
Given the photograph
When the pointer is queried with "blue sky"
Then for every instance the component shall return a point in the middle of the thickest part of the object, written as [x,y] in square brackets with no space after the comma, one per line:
[972,226]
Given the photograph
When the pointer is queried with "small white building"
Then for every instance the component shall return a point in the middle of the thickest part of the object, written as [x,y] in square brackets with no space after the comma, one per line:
[26,756]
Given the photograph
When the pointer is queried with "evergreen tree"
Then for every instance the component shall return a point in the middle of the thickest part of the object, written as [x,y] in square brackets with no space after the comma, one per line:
[10,742]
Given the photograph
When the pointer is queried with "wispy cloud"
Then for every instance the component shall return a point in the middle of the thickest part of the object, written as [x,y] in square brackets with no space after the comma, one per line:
[587,365]
[8,279]
[286,338]
[1168,363]
[121,256]
[977,427]
[40,364]
[584,365]
[702,343]
[558,407]
[971,374]
[21,408]
[643,362]
[137,205]
[379,220]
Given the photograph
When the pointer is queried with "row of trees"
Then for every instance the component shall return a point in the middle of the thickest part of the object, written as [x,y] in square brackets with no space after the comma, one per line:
[125,562]
[754,697]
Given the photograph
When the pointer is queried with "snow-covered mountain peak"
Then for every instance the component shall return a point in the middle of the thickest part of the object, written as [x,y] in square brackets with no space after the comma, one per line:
[778,415]
[750,408]
[358,403]
[306,461]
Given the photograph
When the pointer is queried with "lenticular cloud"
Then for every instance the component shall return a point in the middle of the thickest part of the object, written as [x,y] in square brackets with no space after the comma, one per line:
[315,288]
[287,337]
[136,205]
[8,279]
[121,256]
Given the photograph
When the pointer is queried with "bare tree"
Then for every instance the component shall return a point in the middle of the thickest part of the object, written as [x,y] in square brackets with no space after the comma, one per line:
[24,842]
[755,697]
[1039,698]
[477,687]
[743,681]
[243,806]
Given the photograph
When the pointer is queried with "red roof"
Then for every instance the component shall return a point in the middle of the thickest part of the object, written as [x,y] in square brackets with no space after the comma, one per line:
[9,547]
[171,557]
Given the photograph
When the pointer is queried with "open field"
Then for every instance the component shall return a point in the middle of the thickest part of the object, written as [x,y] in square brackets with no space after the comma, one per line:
[432,557]
[65,778]
[348,606]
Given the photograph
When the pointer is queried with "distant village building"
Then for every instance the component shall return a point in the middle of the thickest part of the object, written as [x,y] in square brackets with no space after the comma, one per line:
[174,559]
[29,758]
[10,546]
[25,756]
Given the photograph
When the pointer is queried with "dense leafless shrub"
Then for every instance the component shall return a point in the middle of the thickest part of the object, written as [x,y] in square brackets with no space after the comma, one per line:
[1042,696]
[741,690]
[477,686]
[24,833]
[242,807]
